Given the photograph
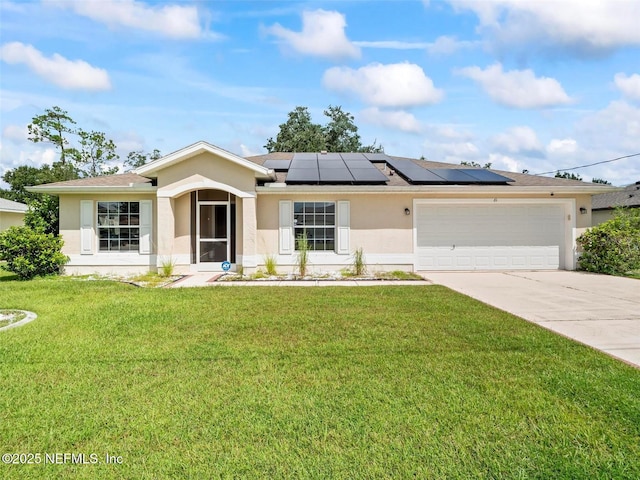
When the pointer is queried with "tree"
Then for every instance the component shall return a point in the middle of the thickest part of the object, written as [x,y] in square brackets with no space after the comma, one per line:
[340,134]
[476,164]
[93,151]
[300,134]
[45,207]
[139,158]
[82,154]
[94,154]
[54,126]
[600,180]
[570,176]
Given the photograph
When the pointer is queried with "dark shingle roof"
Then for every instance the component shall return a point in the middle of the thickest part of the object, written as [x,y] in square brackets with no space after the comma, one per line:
[120,180]
[519,179]
[629,197]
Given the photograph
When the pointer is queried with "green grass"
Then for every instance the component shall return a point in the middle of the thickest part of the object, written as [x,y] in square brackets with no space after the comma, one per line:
[295,382]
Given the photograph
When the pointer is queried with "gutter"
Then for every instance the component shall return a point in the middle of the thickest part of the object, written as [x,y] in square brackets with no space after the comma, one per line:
[460,190]
[131,188]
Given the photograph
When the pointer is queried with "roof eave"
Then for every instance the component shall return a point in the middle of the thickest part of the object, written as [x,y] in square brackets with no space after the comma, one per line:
[9,210]
[57,190]
[196,149]
[463,190]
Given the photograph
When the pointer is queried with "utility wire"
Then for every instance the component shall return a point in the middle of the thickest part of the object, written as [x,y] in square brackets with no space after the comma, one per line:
[590,165]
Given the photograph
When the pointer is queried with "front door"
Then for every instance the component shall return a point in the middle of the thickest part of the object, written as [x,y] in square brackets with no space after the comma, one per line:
[213,232]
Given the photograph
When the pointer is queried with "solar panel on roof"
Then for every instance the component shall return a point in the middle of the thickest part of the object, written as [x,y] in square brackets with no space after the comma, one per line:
[305,156]
[336,175]
[331,164]
[303,175]
[453,175]
[277,165]
[414,173]
[486,176]
[368,175]
[329,156]
[358,162]
[353,156]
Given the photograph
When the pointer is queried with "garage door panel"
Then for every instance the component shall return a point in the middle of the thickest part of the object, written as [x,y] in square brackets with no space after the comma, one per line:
[470,237]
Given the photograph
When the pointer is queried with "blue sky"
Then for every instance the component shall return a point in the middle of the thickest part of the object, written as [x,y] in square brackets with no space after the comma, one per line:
[537,85]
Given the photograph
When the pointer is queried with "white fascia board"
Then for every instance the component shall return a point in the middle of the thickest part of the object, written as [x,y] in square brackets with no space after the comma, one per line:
[14,210]
[461,190]
[195,149]
[135,188]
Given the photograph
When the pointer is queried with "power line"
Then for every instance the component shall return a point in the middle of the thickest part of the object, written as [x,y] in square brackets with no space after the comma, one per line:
[590,165]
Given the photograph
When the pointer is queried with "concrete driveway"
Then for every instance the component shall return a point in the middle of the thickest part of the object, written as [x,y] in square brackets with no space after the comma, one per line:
[598,310]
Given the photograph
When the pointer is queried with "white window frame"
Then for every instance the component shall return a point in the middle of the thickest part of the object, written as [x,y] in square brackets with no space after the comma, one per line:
[90,234]
[286,229]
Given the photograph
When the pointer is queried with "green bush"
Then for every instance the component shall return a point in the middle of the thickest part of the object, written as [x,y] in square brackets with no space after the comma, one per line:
[613,247]
[31,252]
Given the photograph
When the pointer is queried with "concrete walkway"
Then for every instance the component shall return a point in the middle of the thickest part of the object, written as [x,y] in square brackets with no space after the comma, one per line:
[209,279]
[598,310]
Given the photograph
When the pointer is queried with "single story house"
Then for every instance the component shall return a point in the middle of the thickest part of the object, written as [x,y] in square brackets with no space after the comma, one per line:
[604,204]
[205,209]
[11,213]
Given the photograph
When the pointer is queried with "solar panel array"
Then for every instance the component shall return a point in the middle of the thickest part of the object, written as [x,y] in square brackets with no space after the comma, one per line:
[415,174]
[277,165]
[359,168]
[333,168]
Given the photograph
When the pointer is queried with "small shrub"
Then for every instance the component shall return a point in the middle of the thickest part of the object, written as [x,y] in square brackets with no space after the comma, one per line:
[359,266]
[270,265]
[613,247]
[167,267]
[31,253]
[302,245]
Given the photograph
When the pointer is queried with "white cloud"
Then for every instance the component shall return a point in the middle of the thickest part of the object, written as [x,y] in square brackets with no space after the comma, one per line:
[248,152]
[39,157]
[173,21]
[521,140]
[578,26]
[68,74]
[562,146]
[394,85]
[629,86]
[616,128]
[15,133]
[322,35]
[447,45]
[460,149]
[518,88]
[393,44]
[395,119]
[504,162]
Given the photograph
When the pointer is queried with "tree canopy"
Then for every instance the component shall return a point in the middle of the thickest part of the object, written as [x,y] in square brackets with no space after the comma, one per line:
[300,134]
[82,153]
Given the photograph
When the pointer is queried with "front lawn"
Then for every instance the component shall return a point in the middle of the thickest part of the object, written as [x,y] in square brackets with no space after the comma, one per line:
[299,382]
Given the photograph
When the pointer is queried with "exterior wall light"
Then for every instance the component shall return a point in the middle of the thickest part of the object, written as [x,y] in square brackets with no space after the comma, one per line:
[583,210]
[407,211]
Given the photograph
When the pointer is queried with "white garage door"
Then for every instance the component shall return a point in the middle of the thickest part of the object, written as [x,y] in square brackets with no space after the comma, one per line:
[489,237]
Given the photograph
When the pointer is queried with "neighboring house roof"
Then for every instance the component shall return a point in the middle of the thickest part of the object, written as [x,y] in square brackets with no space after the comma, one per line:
[628,197]
[11,206]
